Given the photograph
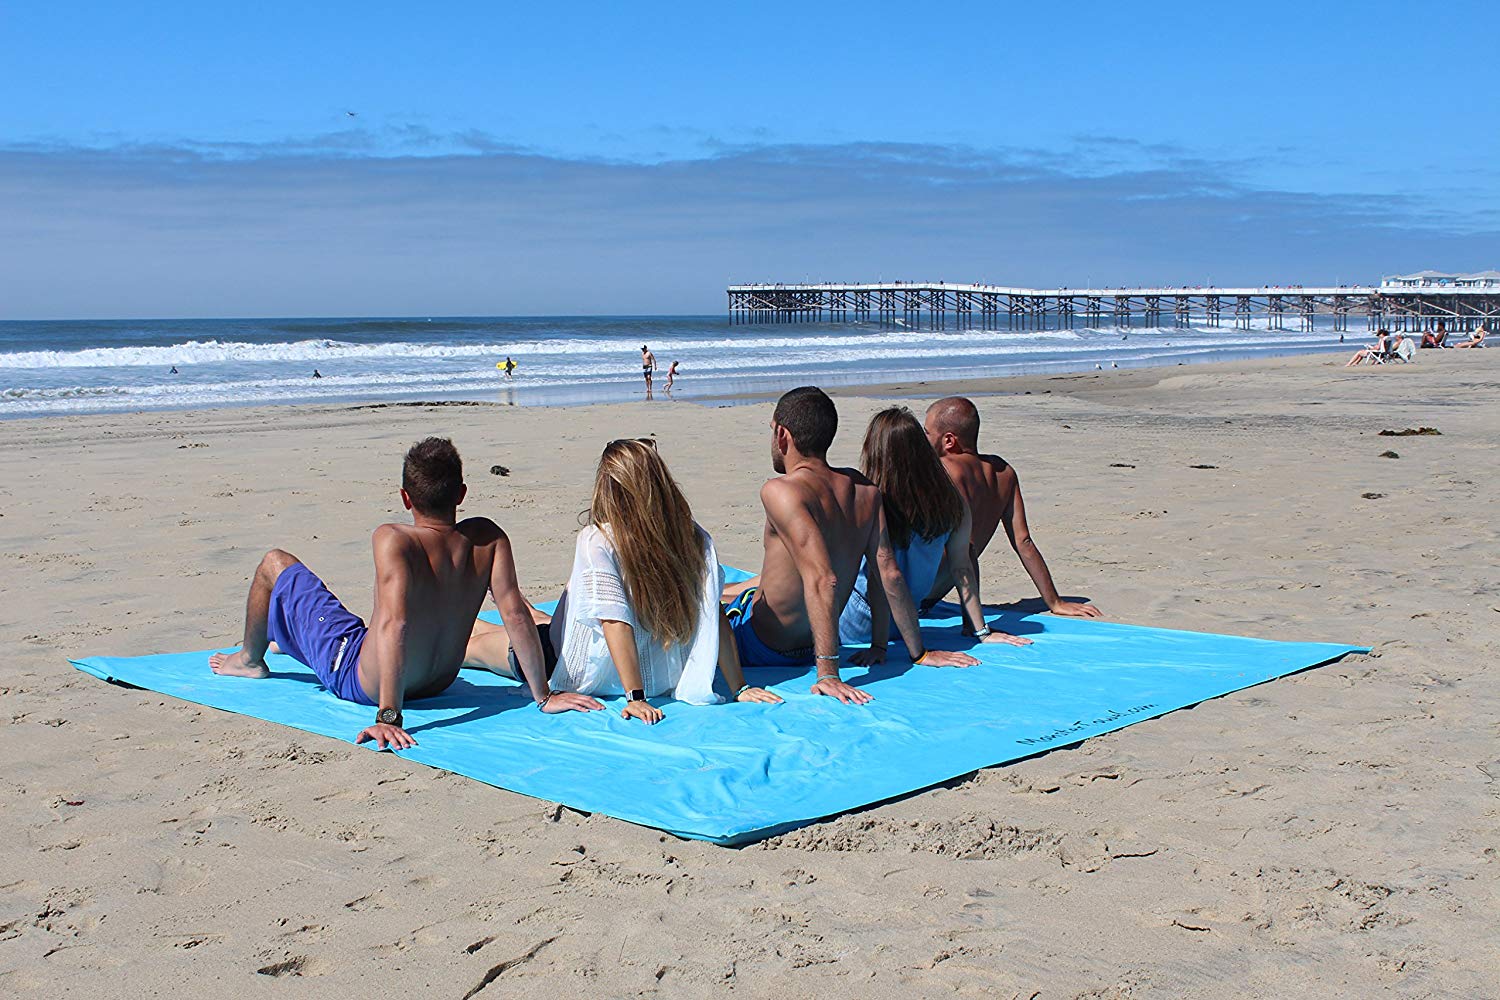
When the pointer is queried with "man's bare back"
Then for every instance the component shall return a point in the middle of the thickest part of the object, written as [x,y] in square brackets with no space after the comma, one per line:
[430,583]
[988,484]
[840,507]
[430,580]
[993,491]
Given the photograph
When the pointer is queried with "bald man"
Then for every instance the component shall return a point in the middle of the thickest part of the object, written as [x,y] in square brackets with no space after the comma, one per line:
[990,486]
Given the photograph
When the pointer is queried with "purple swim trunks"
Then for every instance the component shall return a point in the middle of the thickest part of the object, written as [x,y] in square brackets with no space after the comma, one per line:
[310,625]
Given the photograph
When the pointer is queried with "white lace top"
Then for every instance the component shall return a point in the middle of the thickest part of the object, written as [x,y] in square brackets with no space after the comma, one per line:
[596,593]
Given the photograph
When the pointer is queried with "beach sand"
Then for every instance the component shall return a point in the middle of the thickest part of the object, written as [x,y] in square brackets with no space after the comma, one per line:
[1331,834]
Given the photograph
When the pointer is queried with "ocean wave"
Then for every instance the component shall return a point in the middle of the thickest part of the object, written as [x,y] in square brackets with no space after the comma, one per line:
[864,344]
[195,352]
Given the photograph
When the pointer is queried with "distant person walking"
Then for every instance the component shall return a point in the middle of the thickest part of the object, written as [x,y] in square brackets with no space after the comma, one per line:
[510,366]
[672,374]
[648,366]
[317,374]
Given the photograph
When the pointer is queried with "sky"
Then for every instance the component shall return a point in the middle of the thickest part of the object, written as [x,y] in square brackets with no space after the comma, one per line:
[277,159]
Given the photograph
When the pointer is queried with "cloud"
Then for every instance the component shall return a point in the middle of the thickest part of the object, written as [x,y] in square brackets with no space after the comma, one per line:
[467,224]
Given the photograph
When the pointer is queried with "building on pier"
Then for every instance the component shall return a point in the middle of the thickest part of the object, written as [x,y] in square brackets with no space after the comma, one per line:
[1442,279]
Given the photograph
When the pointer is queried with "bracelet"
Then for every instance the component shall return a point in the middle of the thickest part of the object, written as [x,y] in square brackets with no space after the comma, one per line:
[742,690]
[823,656]
[980,633]
[918,659]
[541,706]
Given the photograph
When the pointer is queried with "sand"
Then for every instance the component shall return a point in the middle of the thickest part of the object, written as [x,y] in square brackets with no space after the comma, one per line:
[1331,834]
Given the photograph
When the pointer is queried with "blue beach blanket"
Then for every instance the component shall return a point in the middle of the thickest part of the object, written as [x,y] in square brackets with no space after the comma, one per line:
[736,773]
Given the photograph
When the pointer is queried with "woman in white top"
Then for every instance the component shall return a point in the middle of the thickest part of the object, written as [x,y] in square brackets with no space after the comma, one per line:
[640,616]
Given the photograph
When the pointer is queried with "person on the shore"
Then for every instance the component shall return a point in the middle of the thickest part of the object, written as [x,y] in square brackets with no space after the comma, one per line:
[431,577]
[1476,339]
[989,485]
[1431,339]
[1381,348]
[821,522]
[672,374]
[510,367]
[640,616]
[648,366]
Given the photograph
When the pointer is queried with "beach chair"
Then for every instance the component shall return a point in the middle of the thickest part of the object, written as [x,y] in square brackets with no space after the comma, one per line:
[1405,352]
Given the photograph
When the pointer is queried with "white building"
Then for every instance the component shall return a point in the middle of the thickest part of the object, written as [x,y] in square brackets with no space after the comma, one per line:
[1442,280]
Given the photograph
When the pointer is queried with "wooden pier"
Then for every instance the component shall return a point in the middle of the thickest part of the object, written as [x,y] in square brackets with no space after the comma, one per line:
[933,304]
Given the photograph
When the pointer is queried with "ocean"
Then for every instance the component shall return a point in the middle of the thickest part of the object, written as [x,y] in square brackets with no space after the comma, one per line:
[99,366]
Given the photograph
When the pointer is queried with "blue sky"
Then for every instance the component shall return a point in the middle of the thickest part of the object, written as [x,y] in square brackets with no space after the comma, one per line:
[516,159]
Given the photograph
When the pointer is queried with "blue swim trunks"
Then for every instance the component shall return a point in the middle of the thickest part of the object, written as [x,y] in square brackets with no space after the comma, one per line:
[754,652]
[311,626]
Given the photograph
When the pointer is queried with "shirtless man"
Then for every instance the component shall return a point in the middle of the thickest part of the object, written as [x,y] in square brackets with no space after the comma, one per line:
[430,580]
[648,366]
[990,486]
[820,522]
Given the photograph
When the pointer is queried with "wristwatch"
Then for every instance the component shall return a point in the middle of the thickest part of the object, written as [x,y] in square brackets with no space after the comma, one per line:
[637,694]
[389,717]
[983,633]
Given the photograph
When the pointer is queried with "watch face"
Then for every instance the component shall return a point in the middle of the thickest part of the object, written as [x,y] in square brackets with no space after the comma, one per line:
[389,716]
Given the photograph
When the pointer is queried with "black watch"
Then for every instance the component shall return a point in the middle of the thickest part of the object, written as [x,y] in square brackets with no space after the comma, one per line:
[636,694]
[389,717]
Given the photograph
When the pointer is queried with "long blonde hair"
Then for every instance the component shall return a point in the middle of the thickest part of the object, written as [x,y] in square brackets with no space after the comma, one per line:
[656,543]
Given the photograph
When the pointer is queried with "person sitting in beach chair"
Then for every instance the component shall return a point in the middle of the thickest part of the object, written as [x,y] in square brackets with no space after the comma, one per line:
[821,524]
[1476,339]
[989,485]
[640,616]
[1438,338]
[1376,353]
[1403,349]
[431,577]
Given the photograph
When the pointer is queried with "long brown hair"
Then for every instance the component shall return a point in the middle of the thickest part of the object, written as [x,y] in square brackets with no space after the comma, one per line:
[651,526]
[919,496]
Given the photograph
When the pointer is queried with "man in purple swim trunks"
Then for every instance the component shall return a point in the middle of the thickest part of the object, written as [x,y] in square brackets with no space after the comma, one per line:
[431,577]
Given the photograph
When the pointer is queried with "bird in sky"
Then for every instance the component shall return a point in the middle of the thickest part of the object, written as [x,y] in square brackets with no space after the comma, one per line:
[352,114]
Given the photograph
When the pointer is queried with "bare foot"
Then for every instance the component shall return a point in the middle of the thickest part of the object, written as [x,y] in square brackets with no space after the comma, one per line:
[237,665]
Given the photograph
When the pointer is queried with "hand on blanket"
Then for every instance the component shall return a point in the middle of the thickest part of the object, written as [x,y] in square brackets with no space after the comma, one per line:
[1007,638]
[946,658]
[570,701]
[386,735]
[868,657]
[835,688]
[760,695]
[643,710]
[1076,609]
